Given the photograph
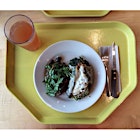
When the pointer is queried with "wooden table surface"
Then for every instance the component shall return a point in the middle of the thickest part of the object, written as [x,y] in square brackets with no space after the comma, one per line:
[14,115]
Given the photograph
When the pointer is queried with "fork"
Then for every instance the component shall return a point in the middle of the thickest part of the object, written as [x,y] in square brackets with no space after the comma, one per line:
[105,59]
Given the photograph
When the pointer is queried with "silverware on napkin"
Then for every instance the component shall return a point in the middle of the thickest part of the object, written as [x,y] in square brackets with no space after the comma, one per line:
[113,81]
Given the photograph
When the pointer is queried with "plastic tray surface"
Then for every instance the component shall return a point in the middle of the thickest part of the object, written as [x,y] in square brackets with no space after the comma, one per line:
[76,13]
[20,65]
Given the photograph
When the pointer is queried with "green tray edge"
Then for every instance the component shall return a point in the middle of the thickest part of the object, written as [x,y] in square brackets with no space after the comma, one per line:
[72,13]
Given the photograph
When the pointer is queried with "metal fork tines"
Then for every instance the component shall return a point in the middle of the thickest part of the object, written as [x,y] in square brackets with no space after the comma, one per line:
[104,53]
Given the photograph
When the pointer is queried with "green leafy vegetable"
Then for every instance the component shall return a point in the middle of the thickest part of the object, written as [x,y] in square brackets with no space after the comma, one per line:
[57,75]
[75,61]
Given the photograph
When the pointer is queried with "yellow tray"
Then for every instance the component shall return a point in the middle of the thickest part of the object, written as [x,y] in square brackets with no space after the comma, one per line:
[20,64]
[76,13]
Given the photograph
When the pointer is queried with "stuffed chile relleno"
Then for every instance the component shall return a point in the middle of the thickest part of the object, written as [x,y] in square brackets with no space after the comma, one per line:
[81,78]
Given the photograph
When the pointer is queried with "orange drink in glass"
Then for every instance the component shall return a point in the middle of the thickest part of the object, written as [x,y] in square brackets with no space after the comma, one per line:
[19,30]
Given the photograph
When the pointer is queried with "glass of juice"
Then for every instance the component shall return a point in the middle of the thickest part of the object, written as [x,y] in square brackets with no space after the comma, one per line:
[20,31]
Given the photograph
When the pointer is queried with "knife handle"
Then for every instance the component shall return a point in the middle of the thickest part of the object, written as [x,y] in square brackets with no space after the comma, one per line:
[114,84]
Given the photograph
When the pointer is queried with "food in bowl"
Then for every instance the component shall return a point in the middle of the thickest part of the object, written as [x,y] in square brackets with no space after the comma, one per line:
[75,78]
[69,49]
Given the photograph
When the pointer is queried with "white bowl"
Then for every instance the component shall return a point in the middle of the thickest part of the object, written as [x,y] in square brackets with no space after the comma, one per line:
[69,49]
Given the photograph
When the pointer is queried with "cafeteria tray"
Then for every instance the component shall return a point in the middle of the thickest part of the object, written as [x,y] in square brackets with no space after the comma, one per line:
[20,64]
[76,13]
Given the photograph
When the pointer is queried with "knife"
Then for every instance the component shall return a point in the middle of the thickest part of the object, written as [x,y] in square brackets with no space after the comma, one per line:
[114,74]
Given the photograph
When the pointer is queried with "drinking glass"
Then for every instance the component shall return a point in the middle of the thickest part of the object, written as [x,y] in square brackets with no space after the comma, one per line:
[19,30]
